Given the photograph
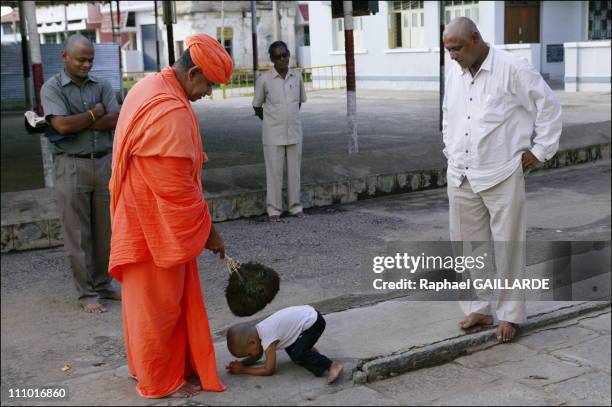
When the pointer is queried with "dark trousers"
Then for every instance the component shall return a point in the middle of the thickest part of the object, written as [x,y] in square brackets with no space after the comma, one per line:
[301,350]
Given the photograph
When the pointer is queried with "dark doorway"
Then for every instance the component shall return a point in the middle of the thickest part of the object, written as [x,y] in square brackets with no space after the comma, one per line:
[522,22]
[149,53]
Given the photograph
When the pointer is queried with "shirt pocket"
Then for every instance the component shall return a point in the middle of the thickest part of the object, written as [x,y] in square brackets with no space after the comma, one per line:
[494,108]
[293,90]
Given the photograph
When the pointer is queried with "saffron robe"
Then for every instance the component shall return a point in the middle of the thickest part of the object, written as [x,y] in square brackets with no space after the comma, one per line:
[160,224]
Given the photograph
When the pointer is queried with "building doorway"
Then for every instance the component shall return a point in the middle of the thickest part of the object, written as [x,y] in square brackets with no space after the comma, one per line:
[149,51]
[522,22]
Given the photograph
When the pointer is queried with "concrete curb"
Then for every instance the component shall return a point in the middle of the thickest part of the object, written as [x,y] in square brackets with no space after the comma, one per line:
[45,232]
[447,350]
[253,203]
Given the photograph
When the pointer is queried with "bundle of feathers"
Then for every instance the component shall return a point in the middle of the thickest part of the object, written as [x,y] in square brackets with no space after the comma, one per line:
[251,287]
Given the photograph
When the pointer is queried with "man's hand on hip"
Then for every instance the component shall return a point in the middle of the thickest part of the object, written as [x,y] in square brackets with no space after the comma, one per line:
[529,160]
[215,243]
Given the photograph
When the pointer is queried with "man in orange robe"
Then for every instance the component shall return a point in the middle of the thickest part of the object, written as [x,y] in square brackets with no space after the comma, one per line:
[161,223]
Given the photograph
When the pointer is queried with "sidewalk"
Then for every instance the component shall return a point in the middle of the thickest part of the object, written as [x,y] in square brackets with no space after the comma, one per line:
[400,151]
[392,330]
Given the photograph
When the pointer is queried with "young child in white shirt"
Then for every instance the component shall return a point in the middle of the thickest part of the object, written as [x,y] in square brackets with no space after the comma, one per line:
[295,329]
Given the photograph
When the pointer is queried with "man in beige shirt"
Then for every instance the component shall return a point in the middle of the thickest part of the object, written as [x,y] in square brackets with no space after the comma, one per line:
[279,94]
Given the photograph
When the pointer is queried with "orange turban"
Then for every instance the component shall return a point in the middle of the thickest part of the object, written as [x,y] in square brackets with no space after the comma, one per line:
[210,56]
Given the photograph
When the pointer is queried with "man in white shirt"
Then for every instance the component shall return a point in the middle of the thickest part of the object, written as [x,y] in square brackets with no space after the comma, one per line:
[494,102]
[279,94]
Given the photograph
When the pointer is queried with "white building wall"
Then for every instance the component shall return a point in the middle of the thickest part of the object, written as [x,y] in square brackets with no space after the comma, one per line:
[52,17]
[491,21]
[147,17]
[560,21]
[404,68]
[587,66]
[207,23]
[377,66]
[10,38]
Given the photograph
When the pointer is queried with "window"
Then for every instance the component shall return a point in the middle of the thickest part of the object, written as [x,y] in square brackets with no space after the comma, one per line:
[228,37]
[306,35]
[467,9]
[338,33]
[50,38]
[131,19]
[406,24]
[7,28]
[600,24]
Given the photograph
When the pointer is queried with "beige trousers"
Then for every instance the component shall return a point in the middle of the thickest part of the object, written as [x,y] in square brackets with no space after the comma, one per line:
[275,158]
[495,216]
[83,199]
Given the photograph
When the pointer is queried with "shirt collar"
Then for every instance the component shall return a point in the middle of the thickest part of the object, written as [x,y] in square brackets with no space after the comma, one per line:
[487,64]
[65,79]
[289,73]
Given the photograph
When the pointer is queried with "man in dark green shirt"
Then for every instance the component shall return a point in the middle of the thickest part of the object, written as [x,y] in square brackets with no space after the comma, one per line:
[82,111]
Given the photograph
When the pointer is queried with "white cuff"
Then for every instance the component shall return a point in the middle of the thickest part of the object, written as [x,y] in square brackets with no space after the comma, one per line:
[539,152]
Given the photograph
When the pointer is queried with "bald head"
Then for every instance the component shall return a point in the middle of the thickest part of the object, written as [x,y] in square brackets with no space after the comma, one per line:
[462,40]
[461,27]
[239,337]
[78,57]
[77,41]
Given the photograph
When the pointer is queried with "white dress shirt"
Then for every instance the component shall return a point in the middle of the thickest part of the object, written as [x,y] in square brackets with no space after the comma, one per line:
[489,120]
[281,99]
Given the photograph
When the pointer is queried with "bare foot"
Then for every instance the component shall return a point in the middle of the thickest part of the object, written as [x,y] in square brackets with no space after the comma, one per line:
[300,215]
[92,307]
[506,331]
[186,390]
[475,319]
[334,371]
[194,380]
[114,295]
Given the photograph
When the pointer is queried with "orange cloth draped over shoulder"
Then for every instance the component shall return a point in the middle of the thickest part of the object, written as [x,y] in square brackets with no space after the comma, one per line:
[160,224]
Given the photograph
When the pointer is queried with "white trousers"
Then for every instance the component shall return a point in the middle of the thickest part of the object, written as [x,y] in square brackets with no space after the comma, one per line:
[496,215]
[275,162]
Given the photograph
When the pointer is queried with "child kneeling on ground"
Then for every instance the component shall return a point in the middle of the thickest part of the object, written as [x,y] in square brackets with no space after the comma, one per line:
[295,329]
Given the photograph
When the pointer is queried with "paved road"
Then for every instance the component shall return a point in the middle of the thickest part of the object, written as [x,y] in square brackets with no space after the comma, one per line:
[386,120]
[318,259]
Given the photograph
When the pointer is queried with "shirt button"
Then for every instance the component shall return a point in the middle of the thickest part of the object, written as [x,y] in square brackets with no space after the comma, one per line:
[472,82]
[466,151]
[467,168]
[466,134]
[468,117]
[470,99]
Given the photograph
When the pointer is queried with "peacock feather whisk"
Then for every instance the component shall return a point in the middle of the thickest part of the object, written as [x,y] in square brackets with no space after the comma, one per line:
[251,287]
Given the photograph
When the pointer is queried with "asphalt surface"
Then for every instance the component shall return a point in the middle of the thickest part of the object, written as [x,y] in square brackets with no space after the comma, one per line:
[386,120]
